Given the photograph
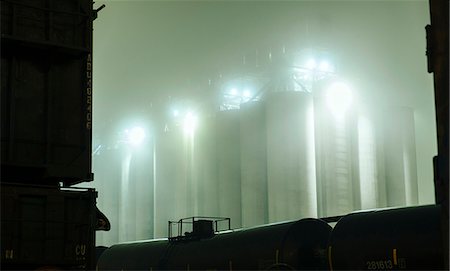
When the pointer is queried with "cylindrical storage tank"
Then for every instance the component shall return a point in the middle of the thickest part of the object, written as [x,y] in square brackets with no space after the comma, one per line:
[253,164]
[297,245]
[371,174]
[107,168]
[206,167]
[229,165]
[142,173]
[140,255]
[402,239]
[336,149]
[169,187]
[399,156]
[290,156]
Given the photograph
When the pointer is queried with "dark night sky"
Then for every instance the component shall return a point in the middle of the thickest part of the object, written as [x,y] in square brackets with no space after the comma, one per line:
[148,51]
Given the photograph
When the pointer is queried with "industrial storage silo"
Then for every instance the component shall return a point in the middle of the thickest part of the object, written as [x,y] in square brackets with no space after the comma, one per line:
[142,173]
[372,183]
[107,169]
[336,150]
[207,189]
[169,186]
[229,165]
[397,136]
[253,164]
[290,156]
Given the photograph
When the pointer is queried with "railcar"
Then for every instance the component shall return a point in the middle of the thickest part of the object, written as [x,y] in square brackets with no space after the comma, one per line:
[294,245]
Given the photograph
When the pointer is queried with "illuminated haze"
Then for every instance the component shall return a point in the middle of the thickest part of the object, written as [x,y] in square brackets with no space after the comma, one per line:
[151,55]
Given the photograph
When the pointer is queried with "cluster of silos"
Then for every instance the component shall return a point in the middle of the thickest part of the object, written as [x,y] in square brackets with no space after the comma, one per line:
[265,160]
[254,165]
[387,157]
[126,182]
[281,158]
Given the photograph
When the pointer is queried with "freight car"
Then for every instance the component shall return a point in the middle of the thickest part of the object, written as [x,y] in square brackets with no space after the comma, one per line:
[295,245]
[409,238]
[46,115]
[46,91]
[392,239]
[46,226]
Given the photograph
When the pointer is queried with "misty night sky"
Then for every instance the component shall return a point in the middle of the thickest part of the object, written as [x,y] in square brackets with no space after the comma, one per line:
[149,54]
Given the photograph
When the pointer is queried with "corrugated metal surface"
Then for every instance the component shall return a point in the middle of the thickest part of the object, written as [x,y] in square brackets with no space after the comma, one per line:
[44,226]
[64,24]
[46,91]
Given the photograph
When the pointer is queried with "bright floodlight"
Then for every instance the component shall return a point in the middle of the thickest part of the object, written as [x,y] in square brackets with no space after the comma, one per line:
[190,123]
[247,94]
[339,98]
[311,64]
[233,91]
[176,113]
[325,66]
[135,136]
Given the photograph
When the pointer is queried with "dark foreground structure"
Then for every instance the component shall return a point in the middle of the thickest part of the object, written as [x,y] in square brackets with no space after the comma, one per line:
[46,131]
[46,115]
[392,239]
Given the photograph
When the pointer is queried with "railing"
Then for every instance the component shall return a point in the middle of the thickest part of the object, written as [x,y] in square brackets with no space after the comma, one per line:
[206,227]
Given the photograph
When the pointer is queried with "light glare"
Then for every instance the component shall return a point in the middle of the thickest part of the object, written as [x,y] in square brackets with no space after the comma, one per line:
[339,98]
[135,136]
[311,64]
[190,123]
[325,66]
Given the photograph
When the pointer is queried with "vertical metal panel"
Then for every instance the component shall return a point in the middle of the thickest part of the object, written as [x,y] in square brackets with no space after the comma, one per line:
[65,24]
[44,226]
[46,91]
[229,166]
[253,164]
[290,156]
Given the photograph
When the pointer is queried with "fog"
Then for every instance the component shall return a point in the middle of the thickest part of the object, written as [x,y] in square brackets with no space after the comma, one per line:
[258,164]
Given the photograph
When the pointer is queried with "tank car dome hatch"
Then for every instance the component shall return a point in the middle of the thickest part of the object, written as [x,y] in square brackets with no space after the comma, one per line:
[403,238]
[203,228]
[297,245]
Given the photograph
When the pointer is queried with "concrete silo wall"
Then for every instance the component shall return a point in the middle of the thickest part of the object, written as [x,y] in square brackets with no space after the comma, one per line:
[399,153]
[206,168]
[141,175]
[336,134]
[290,156]
[253,164]
[371,173]
[169,181]
[229,165]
